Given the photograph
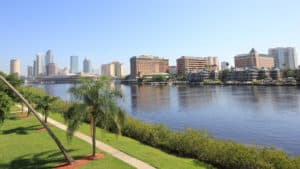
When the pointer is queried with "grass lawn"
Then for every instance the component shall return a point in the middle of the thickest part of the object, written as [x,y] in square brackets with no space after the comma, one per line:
[153,156]
[23,146]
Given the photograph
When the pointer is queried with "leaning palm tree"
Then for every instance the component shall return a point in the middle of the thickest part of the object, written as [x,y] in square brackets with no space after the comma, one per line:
[52,135]
[96,103]
[44,104]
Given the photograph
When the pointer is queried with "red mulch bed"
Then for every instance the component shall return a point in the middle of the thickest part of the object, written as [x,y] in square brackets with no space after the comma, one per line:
[24,116]
[42,129]
[80,162]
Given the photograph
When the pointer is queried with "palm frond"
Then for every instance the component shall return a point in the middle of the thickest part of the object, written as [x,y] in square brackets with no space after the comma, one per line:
[74,116]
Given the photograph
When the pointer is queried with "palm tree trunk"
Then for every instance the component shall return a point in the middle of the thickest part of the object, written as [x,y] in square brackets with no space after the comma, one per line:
[52,135]
[28,112]
[93,124]
[46,117]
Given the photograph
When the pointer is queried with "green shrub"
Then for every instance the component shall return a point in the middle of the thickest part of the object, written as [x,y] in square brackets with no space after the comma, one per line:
[203,147]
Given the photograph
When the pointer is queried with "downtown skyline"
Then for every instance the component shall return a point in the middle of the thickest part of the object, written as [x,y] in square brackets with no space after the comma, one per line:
[116,30]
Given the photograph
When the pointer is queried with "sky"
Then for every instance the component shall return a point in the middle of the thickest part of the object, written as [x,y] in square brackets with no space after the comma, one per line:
[115,30]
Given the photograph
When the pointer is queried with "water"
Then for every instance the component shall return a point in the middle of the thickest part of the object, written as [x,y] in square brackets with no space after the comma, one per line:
[268,116]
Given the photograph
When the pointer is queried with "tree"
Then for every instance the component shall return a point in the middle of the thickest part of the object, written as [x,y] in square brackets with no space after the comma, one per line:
[158,78]
[262,75]
[5,105]
[224,75]
[44,105]
[52,135]
[32,95]
[96,101]
[289,73]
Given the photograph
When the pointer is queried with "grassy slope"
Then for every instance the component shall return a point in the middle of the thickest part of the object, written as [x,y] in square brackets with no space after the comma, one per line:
[23,146]
[153,156]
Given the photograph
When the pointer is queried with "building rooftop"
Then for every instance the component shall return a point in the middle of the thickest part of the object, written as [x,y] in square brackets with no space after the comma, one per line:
[147,57]
[191,57]
[253,51]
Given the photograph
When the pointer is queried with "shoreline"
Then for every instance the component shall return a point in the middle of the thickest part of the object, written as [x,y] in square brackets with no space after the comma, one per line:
[233,83]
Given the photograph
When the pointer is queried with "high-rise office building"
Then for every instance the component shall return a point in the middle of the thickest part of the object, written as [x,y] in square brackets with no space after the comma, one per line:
[74,64]
[51,69]
[29,72]
[15,67]
[147,64]
[253,60]
[285,58]
[49,57]
[114,69]
[86,66]
[40,64]
[34,69]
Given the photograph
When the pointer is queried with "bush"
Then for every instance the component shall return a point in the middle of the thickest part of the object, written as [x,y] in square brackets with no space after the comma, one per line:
[203,147]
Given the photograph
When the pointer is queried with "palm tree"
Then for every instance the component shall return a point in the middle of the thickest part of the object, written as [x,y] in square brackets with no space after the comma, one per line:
[97,104]
[52,135]
[32,95]
[44,105]
[30,98]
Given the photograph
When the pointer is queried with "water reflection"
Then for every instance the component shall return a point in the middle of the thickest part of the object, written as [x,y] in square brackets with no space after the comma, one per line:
[145,98]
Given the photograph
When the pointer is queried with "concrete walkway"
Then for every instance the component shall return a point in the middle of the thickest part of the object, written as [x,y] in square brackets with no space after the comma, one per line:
[104,147]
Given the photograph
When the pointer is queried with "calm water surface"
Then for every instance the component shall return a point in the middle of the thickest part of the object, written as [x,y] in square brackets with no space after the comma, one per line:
[268,116]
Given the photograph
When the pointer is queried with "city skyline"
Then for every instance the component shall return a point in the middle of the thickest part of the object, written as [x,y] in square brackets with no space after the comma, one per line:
[166,28]
[41,68]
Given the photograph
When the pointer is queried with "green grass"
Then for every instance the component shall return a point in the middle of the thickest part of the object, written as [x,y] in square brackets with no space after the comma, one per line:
[153,156]
[23,146]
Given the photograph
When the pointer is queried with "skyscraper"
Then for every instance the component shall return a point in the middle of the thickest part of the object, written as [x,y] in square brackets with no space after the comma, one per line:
[49,57]
[51,69]
[86,66]
[74,64]
[34,69]
[285,58]
[15,67]
[29,72]
[40,64]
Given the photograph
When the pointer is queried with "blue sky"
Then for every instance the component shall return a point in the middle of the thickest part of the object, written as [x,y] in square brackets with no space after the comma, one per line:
[110,30]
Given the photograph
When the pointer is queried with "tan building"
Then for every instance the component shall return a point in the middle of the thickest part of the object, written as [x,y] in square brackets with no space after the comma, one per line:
[114,69]
[253,60]
[15,67]
[187,64]
[147,64]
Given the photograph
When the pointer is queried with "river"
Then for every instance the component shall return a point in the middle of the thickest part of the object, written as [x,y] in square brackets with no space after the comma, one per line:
[267,116]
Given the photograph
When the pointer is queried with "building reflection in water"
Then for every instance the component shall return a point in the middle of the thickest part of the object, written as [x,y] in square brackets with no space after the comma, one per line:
[152,99]
[194,98]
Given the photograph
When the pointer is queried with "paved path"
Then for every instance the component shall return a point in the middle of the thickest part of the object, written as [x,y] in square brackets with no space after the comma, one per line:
[110,150]
[104,147]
